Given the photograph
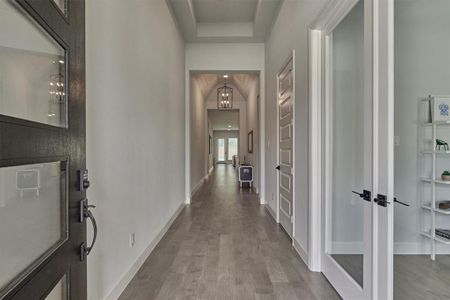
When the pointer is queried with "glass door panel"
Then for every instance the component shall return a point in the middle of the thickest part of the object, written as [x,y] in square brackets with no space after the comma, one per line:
[32,70]
[348,237]
[220,150]
[232,148]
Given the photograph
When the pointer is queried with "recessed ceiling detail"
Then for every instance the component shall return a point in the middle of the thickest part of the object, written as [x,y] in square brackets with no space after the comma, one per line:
[225,20]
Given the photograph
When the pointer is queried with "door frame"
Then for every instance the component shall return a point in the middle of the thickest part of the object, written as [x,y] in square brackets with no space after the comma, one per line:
[383,136]
[290,57]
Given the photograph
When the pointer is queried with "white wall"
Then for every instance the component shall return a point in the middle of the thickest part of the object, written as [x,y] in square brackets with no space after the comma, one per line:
[252,123]
[135,132]
[224,57]
[290,32]
[198,134]
[422,67]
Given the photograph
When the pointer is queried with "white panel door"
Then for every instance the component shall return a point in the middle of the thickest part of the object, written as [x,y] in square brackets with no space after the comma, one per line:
[348,152]
[285,146]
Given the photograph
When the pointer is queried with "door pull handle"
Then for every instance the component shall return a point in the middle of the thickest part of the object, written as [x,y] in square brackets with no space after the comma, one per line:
[86,213]
[365,195]
[400,202]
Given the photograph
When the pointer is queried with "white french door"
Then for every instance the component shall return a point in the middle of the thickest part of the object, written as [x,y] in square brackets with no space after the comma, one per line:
[349,156]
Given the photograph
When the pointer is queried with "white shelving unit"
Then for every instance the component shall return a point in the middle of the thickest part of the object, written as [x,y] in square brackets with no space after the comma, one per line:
[434,180]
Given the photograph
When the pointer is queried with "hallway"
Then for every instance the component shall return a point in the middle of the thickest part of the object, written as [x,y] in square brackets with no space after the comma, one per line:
[226,246]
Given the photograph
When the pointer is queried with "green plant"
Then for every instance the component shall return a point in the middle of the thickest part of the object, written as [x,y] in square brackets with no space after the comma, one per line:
[446,173]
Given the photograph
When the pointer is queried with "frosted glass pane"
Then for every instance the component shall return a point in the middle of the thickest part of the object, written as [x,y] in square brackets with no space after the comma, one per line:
[32,70]
[232,147]
[59,292]
[221,149]
[348,162]
[33,218]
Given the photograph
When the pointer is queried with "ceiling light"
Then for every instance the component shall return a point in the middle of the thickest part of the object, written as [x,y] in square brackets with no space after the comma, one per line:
[225,96]
[225,76]
[229,126]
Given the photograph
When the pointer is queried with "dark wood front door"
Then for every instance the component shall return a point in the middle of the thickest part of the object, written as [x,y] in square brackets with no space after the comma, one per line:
[42,134]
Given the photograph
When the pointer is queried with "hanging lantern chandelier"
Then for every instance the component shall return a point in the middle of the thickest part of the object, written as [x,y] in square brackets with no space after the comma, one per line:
[225,96]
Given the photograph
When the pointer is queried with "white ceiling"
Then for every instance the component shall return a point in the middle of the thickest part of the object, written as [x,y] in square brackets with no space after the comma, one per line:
[242,81]
[225,20]
[222,11]
[224,120]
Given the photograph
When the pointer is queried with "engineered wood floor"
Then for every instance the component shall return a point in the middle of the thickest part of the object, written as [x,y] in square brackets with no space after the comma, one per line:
[226,246]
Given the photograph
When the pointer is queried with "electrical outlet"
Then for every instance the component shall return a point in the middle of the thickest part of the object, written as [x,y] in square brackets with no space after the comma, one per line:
[132,239]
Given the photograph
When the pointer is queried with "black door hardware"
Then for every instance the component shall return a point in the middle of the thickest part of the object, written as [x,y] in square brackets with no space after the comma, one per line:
[400,202]
[85,213]
[365,195]
[381,200]
[278,168]
[83,180]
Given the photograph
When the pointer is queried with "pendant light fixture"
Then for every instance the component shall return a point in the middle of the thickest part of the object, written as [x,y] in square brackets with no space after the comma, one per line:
[225,96]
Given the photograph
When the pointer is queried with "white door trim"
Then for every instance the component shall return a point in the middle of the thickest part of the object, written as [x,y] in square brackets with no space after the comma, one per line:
[383,78]
[315,151]
[329,18]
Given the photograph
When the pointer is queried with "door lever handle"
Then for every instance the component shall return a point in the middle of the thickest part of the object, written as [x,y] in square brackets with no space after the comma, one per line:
[357,193]
[365,195]
[400,202]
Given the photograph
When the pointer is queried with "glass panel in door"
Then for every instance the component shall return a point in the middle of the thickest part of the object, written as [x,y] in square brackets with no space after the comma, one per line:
[32,70]
[232,148]
[348,244]
[220,150]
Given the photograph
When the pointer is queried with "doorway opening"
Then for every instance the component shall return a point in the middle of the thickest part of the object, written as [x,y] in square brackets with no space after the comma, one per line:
[220,135]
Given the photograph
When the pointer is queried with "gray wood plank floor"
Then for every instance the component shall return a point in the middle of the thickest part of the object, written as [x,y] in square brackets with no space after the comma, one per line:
[226,246]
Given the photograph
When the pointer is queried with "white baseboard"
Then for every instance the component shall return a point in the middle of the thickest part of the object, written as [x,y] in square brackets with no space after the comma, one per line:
[271,212]
[301,251]
[198,186]
[120,287]
[211,170]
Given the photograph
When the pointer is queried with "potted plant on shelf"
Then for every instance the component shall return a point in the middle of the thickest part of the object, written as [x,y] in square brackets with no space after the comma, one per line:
[445,176]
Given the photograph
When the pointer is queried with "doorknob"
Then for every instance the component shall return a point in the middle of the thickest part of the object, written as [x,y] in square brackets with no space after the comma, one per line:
[86,213]
[365,195]
[278,168]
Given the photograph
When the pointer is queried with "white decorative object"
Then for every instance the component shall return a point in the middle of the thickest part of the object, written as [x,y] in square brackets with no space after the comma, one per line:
[440,107]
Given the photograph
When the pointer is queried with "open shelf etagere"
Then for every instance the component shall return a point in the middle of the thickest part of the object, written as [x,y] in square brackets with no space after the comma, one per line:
[434,180]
